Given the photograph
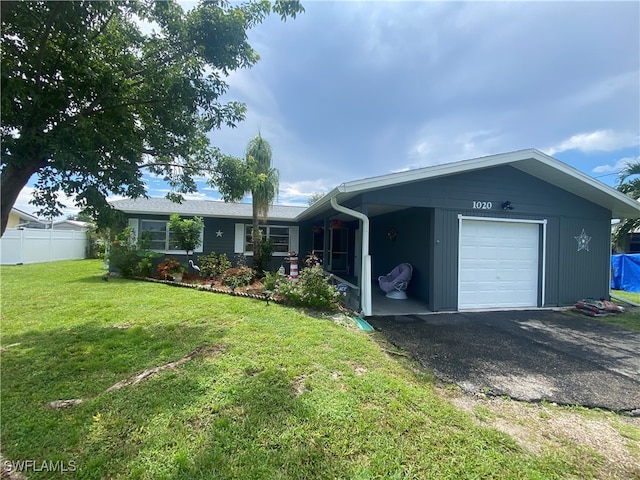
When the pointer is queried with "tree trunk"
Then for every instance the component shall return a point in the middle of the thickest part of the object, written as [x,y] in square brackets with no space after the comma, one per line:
[5,9]
[12,181]
[255,239]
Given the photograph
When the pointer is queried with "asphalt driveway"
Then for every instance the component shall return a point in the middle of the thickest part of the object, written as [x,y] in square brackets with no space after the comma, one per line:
[556,356]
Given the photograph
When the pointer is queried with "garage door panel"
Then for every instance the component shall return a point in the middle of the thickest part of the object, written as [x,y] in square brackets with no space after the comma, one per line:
[498,264]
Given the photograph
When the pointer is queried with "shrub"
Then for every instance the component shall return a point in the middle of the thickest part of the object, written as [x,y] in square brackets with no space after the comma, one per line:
[213,264]
[129,256]
[169,267]
[271,280]
[266,253]
[186,233]
[238,276]
[313,289]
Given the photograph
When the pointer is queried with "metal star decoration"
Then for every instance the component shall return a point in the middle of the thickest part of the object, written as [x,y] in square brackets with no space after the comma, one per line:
[219,233]
[583,241]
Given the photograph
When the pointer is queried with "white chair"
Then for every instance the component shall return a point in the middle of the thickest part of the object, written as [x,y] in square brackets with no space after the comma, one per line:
[395,283]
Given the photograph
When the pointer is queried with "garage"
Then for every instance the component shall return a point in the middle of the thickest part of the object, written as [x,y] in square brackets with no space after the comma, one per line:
[499,263]
[519,230]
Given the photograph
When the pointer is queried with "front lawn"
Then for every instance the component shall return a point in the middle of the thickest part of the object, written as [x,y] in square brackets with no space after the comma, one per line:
[631,318]
[262,391]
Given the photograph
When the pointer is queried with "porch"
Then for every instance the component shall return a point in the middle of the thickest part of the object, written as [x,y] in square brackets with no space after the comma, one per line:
[380,304]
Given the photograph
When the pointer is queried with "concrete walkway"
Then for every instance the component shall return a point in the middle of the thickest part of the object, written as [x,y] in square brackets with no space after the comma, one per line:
[561,357]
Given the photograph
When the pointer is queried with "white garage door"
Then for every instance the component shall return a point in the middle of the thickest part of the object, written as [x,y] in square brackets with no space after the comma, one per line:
[498,264]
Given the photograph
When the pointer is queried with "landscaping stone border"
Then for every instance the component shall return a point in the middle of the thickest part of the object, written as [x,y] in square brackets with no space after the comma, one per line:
[208,288]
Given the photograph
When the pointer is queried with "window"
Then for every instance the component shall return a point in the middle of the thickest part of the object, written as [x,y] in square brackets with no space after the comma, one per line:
[155,232]
[158,234]
[634,244]
[285,239]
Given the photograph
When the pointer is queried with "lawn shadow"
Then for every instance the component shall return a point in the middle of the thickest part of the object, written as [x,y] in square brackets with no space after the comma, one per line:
[84,360]
[261,433]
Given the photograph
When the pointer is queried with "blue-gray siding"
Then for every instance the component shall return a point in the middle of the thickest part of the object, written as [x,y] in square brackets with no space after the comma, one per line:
[212,242]
[426,222]
[427,232]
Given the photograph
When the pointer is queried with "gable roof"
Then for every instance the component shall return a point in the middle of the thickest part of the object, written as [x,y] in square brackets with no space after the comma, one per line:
[530,161]
[25,216]
[204,208]
[74,224]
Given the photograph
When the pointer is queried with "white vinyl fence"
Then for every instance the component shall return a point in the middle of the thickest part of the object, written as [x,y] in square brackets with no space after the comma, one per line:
[32,245]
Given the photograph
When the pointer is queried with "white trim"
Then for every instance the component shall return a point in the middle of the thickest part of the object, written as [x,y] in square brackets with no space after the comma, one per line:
[502,219]
[543,273]
[294,238]
[238,239]
[543,260]
[240,232]
[136,224]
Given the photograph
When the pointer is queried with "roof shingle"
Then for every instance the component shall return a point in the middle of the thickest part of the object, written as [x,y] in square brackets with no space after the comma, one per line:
[204,208]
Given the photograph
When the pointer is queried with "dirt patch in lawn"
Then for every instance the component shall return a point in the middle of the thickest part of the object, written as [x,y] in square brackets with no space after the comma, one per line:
[545,427]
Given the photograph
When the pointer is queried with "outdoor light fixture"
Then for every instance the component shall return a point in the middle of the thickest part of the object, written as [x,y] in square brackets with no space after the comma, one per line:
[507,206]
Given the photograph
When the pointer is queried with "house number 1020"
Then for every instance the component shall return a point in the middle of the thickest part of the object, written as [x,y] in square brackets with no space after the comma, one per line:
[482,205]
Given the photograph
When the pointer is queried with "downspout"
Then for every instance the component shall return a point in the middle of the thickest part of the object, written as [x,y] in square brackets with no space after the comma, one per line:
[365,273]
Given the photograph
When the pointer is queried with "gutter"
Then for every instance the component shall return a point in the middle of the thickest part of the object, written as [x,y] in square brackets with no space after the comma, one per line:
[365,272]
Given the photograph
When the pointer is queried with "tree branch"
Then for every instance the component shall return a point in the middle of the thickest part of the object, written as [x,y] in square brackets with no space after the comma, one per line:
[87,112]
[103,27]
[43,43]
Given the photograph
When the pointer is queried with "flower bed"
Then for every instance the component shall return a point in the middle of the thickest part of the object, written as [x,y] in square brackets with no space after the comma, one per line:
[255,290]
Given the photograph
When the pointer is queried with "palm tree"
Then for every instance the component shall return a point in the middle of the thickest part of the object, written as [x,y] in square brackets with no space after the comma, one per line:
[235,178]
[629,184]
[266,182]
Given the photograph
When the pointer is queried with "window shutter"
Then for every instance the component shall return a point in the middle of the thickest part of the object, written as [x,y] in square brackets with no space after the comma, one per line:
[238,245]
[200,249]
[134,224]
[293,239]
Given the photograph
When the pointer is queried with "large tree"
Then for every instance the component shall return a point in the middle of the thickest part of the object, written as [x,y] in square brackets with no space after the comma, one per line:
[254,175]
[96,92]
[629,184]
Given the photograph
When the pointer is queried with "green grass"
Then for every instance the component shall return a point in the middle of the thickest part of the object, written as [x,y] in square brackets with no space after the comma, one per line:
[631,296]
[631,318]
[277,394]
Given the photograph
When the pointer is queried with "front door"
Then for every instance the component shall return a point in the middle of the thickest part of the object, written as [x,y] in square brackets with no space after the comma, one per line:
[338,250]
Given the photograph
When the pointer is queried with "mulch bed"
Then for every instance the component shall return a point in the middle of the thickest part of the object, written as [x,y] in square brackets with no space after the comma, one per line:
[255,290]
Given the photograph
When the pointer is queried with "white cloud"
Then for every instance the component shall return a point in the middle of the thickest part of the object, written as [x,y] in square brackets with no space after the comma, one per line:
[604,89]
[22,202]
[599,140]
[298,193]
[617,166]
[453,140]
[26,195]
[70,208]
[198,196]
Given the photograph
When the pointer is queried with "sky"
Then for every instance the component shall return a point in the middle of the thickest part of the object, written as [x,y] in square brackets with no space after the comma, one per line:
[350,90]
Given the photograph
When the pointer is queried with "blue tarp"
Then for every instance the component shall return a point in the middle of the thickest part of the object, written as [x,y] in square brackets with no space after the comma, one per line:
[625,272]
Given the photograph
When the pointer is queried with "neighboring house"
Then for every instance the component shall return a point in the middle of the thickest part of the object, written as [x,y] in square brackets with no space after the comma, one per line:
[71,225]
[632,240]
[515,230]
[632,243]
[30,240]
[18,218]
